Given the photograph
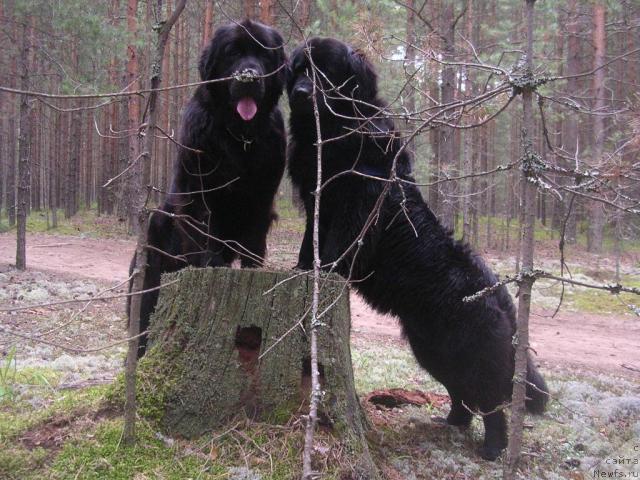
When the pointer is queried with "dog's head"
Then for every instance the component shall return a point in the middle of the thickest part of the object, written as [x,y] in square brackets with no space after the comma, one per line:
[253,55]
[343,74]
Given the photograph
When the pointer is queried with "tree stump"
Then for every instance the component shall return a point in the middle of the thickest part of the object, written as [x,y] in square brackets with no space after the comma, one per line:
[224,341]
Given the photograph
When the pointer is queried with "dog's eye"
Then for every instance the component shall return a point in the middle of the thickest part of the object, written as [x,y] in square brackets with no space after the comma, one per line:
[301,70]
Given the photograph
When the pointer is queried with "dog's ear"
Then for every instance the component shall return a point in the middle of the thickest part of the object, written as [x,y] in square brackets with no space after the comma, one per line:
[294,59]
[365,75]
[206,62]
[281,59]
[211,53]
[289,75]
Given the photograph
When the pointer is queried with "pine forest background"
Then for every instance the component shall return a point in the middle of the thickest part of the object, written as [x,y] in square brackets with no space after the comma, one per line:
[79,145]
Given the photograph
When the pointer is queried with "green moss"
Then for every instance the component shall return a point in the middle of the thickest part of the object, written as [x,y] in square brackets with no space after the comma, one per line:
[377,366]
[18,417]
[271,454]
[596,301]
[282,413]
[156,375]
[85,222]
[21,464]
[286,209]
[102,455]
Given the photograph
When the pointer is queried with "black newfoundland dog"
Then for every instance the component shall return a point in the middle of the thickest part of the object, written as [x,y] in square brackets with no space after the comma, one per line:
[229,164]
[391,245]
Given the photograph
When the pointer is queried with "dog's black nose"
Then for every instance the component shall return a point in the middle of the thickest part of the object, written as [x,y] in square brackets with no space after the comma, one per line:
[302,89]
[247,74]
[252,71]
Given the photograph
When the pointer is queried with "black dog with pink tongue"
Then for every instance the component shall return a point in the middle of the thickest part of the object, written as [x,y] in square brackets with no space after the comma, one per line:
[230,162]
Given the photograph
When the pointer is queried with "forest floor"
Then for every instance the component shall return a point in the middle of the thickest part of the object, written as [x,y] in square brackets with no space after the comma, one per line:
[605,342]
[53,422]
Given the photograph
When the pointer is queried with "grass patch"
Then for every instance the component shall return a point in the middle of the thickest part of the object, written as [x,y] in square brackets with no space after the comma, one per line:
[377,366]
[84,222]
[19,463]
[21,415]
[596,301]
[286,209]
[101,454]
[594,417]
[583,299]
[246,452]
[591,419]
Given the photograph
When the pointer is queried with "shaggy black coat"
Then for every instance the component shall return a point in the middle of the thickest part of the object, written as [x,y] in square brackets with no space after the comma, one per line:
[229,164]
[404,262]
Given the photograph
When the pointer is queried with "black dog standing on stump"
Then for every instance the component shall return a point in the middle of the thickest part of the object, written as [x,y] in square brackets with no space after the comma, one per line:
[229,164]
[406,263]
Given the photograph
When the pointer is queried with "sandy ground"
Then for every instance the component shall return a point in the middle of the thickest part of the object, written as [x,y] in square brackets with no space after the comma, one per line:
[603,343]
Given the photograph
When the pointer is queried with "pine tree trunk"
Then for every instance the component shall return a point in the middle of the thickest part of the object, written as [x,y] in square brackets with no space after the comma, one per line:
[90,168]
[521,338]
[446,141]
[223,343]
[24,154]
[467,153]
[3,102]
[249,9]
[10,191]
[139,205]
[570,135]
[54,162]
[596,211]
[74,165]
[267,11]
[133,112]
[68,160]
[410,69]
[208,23]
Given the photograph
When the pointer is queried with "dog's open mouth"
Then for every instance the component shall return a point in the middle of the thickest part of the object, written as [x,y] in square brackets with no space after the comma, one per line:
[247,108]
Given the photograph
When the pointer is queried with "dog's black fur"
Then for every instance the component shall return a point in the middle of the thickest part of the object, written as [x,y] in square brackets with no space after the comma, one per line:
[227,190]
[406,264]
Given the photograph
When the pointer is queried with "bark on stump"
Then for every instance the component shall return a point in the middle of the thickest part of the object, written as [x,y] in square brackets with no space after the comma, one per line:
[208,332]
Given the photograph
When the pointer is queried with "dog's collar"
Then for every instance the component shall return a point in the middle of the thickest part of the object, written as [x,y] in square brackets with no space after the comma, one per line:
[246,142]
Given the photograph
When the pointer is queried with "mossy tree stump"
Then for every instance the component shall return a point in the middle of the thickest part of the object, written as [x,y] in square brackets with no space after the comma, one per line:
[224,341]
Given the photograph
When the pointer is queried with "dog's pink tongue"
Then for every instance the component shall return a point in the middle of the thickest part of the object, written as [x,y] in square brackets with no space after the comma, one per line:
[247,108]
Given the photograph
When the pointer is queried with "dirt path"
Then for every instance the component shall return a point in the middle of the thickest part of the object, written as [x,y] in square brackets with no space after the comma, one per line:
[606,343]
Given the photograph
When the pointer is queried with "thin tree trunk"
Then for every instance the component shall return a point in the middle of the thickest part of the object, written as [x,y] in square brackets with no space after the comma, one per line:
[305,15]
[3,114]
[24,153]
[409,67]
[54,163]
[446,140]
[208,23]
[35,120]
[267,11]
[571,134]
[90,177]
[467,154]
[133,114]
[249,8]
[557,212]
[74,161]
[140,205]
[316,394]
[467,186]
[596,211]
[10,190]
[521,338]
